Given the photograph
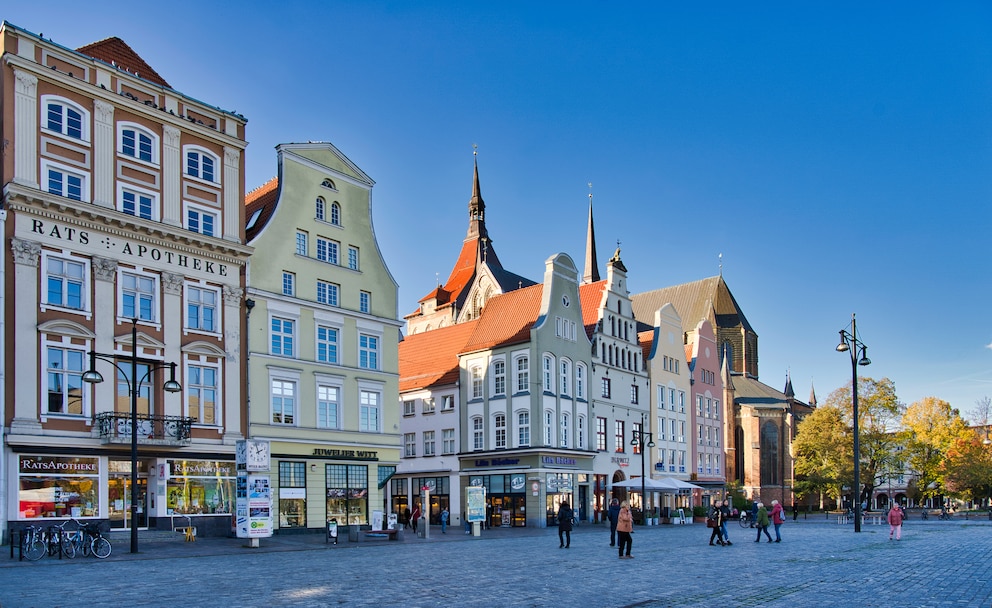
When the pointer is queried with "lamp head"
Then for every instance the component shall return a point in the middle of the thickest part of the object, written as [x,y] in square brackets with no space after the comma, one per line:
[92,376]
[171,385]
[864,357]
[634,441]
[650,444]
[843,347]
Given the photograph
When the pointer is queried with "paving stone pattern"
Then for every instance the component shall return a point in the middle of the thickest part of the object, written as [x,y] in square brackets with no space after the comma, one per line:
[818,563]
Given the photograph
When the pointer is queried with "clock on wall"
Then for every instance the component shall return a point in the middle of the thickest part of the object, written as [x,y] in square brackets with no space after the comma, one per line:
[258,455]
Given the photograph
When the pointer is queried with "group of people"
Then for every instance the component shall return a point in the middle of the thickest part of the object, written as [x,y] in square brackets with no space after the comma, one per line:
[621,526]
[762,518]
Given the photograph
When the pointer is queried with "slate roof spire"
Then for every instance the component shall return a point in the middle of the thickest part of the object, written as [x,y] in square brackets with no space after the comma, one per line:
[476,206]
[590,273]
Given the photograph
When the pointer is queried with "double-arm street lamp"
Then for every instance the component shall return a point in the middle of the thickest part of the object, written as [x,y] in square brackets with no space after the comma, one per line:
[849,342]
[642,438]
[134,388]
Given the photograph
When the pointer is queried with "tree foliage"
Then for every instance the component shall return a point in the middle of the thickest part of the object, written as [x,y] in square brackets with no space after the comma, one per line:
[930,426]
[967,467]
[823,452]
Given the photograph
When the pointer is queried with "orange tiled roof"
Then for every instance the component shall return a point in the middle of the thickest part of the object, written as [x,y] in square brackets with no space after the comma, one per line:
[591,298]
[646,340]
[507,319]
[116,52]
[263,200]
[430,358]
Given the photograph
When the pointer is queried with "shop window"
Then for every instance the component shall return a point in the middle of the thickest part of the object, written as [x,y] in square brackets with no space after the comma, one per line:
[292,494]
[347,493]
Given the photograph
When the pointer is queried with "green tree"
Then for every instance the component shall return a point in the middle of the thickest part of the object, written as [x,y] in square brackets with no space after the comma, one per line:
[823,452]
[879,412]
[929,428]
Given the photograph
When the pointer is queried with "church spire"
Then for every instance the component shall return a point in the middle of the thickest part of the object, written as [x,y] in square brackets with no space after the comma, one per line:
[789,393]
[476,206]
[591,272]
[812,394]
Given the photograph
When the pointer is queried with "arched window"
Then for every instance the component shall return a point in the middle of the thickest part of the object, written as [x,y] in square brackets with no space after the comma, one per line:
[523,429]
[478,434]
[201,164]
[769,454]
[500,423]
[335,213]
[137,142]
[327,183]
[564,430]
[66,118]
[319,209]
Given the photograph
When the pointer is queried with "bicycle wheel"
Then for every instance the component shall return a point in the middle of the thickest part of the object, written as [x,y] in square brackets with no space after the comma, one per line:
[101,547]
[68,547]
[744,521]
[33,548]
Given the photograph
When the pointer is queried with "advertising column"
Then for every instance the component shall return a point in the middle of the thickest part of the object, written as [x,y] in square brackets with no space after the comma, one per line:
[253,512]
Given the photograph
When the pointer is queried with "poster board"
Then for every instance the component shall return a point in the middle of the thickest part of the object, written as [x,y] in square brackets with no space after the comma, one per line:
[475,502]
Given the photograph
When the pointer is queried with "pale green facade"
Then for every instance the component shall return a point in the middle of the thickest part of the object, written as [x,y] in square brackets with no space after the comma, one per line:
[323,339]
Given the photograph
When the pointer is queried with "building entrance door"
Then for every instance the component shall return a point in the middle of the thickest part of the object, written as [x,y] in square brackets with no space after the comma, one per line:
[119,502]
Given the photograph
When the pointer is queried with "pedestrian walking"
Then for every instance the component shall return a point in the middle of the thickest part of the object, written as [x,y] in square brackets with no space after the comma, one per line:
[415,518]
[778,518]
[565,515]
[895,522]
[761,521]
[795,511]
[754,510]
[444,520]
[625,525]
[724,518]
[714,521]
[613,513]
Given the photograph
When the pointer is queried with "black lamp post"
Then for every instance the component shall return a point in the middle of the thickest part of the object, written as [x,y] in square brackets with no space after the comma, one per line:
[134,387]
[849,342]
[640,437]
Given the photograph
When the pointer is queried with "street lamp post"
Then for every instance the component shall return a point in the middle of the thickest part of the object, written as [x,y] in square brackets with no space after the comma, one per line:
[640,437]
[849,342]
[134,387]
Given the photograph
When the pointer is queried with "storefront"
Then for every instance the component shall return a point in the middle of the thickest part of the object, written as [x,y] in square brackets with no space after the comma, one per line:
[58,486]
[200,487]
[506,499]
[439,489]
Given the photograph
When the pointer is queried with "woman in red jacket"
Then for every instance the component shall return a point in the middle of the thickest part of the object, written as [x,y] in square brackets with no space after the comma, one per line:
[778,518]
[895,522]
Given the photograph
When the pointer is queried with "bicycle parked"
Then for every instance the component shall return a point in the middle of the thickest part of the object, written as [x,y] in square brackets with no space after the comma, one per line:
[745,520]
[57,541]
[32,543]
[88,539]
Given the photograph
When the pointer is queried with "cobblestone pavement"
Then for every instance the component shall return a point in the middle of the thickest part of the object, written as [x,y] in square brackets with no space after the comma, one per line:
[818,563]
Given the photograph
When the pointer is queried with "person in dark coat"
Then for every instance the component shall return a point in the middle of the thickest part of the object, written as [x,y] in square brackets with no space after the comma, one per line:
[613,513]
[565,515]
[716,516]
[724,518]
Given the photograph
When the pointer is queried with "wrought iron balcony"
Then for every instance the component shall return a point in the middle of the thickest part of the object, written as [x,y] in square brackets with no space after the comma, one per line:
[115,427]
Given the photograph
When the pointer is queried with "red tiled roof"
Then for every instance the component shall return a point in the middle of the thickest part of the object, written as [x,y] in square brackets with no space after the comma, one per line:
[591,298]
[262,199]
[116,52]
[464,268]
[507,319]
[430,358]
[646,339]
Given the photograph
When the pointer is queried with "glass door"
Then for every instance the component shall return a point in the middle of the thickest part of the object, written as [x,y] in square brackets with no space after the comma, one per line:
[119,499]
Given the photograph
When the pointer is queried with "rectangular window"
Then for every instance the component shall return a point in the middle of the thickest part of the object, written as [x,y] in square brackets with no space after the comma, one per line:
[327,344]
[288,284]
[201,394]
[564,427]
[353,258]
[125,381]
[283,402]
[368,351]
[662,429]
[327,251]
[478,434]
[347,493]
[476,382]
[65,381]
[138,297]
[368,412]
[137,204]
[199,220]
[328,406]
[282,336]
[327,293]
[548,373]
[564,377]
[65,283]
[636,433]
[499,377]
[409,408]
[580,381]
[580,431]
[201,309]
[523,429]
[409,445]
[523,374]
[428,443]
[549,427]
[447,403]
[365,302]
[428,405]
[634,393]
[500,431]
[619,436]
[64,183]
[606,388]
[301,243]
[600,434]
[447,441]
[661,397]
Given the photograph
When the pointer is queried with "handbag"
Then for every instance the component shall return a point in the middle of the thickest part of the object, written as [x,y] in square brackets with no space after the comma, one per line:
[710,522]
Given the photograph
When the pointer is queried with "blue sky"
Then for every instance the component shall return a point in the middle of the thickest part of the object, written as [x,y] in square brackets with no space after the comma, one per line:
[837,155]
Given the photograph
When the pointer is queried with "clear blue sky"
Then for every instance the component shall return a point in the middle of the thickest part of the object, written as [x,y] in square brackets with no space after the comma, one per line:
[838,155]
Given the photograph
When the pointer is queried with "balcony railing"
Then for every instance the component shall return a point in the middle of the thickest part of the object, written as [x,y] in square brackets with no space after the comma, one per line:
[115,427]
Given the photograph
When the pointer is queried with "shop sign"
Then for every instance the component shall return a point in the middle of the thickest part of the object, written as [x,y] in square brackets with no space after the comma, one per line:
[559,460]
[620,460]
[346,454]
[559,483]
[59,465]
[253,509]
[518,482]
[291,493]
[201,468]
[497,462]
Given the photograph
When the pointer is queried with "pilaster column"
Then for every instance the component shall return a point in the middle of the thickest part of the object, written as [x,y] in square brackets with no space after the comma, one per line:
[172,331]
[103,154]
[232,194]
[26,402]
[171,175]
[104,326]
[25,129]
[233,297]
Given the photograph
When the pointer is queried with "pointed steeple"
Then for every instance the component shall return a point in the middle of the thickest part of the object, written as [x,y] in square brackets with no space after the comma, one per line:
[789,393]
[476,207]
[591,271]
[725,373]
[812,395]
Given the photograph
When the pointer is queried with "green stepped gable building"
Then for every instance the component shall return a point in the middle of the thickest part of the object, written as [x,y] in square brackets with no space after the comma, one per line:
[322,341]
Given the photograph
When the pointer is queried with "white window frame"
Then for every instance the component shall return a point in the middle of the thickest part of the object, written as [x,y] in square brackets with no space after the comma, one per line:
[369,410]
[65,257]
[547,373]
[565,367]
[448,445]
[202,152]
[448,403]
[521,369]
[580,381]
[564,420]
[475,375]
[139,130]
[334,344]
[549,427]
[523,429]
[498,370]
[365,302]
[203,211]
[499,431]
[302,244]
[478,434]
[319,208]
[430,443]
[293,342]
[188,388]
[286,378]
[48,166]
[580,432]
[409,407]
[288,283]
[369,356]
[217,307]
[353,259]
[85,133]
[138,191]
[335,219]
[156,295]
[65,344]
[409,445]
[332,293]
[328,251]
[331,407]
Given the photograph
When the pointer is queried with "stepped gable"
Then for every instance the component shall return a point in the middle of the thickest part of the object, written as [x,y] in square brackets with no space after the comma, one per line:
[116,52]
[431,358]
[261,201]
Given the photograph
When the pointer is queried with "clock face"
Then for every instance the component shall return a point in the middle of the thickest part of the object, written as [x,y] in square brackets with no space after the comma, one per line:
[258,455]
[241,453]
